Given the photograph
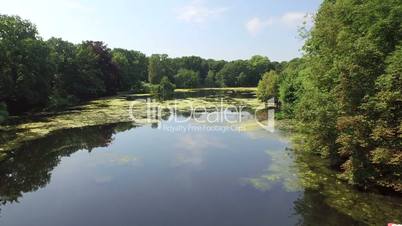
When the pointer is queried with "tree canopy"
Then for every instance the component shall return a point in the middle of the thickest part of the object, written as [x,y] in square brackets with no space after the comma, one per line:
[268,86]
[52,74]
[346,91]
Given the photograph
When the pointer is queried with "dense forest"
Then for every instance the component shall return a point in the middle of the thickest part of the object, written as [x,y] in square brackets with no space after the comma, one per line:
[37,74]
[346,91]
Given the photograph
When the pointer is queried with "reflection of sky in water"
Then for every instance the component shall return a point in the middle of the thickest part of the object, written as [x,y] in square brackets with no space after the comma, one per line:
[148,176]
[190,148]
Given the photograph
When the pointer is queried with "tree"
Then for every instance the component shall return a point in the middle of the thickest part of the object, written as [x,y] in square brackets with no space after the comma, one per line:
[154,69]
[347,104]
[210,79]
[62,55]
[160,65]
[86,82]
[103,59]
[385,120]
[258,65]
[25,67]
[132,68]
[231,71]
[215,65]
[290,86]
[187,79]
[163,91]
[195,63]
[268,86]
[91,72]
[245,80]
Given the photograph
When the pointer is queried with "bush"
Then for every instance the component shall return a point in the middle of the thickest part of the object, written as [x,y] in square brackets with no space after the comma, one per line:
[268,86]
[57,101]
[164,90]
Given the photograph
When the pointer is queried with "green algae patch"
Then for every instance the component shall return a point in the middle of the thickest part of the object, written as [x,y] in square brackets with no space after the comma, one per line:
[20,130]
[308,174]
[298,171]
[97,112]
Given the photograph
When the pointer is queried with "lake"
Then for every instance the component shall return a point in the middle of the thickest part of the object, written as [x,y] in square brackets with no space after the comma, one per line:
[130,174]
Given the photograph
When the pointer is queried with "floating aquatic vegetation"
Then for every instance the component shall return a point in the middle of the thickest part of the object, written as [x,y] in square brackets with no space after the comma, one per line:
[103,111]
[301,172]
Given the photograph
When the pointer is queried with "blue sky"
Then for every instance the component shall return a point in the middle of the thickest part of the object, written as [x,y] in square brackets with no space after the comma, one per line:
[220,29]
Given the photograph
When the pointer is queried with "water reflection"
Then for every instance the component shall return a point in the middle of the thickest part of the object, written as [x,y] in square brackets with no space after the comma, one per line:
[312,208]
[190,149]
[324,198]
[281,170]
[30,168]
[147,176]
[208,93]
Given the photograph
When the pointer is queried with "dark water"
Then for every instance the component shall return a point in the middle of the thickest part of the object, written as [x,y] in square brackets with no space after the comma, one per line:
[120,174]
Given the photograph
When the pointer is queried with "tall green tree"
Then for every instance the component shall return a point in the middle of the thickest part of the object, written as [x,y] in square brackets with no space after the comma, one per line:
[25,66]
[87,82]
[268,86]
[210,80]
[231,71]
[258,65]
[109,70]
[350,53]
[62,55]
[132,68]
[384,118]
[290,86]
[187,79]
[195,63]
[160,65]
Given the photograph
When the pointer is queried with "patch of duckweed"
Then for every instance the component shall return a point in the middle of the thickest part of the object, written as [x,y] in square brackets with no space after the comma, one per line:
[104,111]
[98,112]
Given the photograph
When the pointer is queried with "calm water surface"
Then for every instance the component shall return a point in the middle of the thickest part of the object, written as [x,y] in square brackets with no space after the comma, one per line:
[120,174]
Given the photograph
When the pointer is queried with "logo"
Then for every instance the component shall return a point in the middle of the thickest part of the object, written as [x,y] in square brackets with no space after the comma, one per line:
[265,115]
[179,113]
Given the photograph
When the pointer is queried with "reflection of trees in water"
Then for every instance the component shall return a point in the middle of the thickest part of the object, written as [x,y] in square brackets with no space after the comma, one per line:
[216,94]
[329,196]
[262,115]
[313,210]
[325,200]
[29,168]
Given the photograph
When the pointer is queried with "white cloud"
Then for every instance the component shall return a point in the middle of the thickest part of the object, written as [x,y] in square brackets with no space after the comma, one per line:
[255,25]
[290,19]
[197,12]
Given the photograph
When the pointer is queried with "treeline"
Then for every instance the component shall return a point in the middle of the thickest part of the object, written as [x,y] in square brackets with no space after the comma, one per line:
[346,91]
[38,74]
